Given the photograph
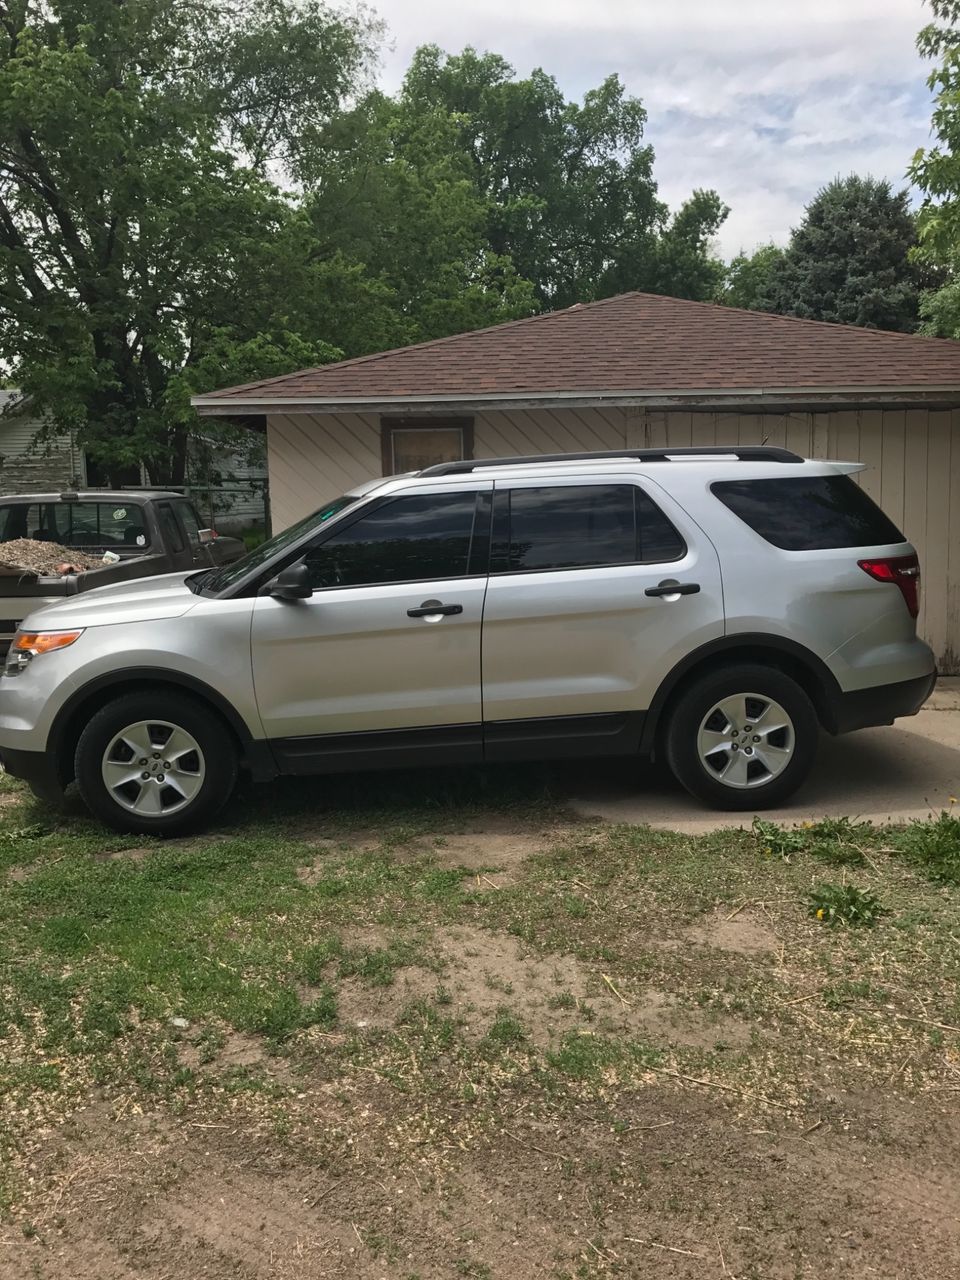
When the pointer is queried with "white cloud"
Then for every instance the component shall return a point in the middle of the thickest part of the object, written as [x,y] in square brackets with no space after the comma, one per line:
[760,99]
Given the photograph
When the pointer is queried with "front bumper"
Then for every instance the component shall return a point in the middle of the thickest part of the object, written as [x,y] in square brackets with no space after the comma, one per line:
[37,768]
[864,708]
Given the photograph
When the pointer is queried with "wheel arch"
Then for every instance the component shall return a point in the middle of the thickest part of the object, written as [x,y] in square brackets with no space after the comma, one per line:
[810,672]
[86,701]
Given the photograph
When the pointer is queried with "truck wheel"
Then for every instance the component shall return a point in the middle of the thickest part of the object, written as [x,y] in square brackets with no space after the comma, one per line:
[155,763]
[742,738]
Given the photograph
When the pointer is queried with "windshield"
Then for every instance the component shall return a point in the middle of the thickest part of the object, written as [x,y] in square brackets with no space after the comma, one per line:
[220,579]
[117,524]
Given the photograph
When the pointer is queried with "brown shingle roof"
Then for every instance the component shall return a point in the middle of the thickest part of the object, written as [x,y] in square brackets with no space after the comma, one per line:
[637,343]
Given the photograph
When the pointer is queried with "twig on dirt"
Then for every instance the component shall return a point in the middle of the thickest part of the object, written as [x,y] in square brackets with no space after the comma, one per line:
[605,1254]
[727,1088]
[811,1128]
[927,1022]
[723,1262]
[900,1070]
[866,857]
[668,1248]
[71,1177]
[645,1128]
[356,1232]
[625,1003]
[750,902]
[553,1155]
[812,995]
[121,1109]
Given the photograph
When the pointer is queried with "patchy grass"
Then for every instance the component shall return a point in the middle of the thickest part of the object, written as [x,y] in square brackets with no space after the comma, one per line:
[321,985]
[932,847]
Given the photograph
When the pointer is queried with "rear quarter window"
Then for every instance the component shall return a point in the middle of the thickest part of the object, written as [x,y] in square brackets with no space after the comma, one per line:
[815,513]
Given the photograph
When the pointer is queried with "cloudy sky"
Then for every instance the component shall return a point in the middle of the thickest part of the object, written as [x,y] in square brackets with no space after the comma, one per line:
[763,100]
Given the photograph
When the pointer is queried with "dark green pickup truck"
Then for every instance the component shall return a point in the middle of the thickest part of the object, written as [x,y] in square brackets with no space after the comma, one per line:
[150,532]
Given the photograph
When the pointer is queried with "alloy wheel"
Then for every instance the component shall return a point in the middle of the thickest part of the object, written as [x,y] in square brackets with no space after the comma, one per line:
[153,768]
[746,740]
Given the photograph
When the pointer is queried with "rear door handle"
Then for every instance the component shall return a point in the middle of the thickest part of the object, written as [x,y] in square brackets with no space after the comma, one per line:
[674,589]
[434,606]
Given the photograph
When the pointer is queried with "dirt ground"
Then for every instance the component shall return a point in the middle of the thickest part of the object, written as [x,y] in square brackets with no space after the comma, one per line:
[666,1180]
[349,1152]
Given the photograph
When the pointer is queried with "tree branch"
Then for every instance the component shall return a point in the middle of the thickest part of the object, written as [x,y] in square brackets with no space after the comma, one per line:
[68,228]
[11,237]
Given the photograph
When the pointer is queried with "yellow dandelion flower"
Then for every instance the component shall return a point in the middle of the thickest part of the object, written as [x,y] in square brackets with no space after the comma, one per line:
[820,913]
[953,799]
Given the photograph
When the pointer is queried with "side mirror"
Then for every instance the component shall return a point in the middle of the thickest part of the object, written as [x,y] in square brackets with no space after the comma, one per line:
[292,584]
[207,536]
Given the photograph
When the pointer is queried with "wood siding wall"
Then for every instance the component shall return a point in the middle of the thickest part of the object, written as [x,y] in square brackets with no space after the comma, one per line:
[912,456]
[29,468]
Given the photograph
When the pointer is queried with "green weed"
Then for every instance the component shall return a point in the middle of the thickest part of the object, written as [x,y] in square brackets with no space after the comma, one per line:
[933,847]
[845,904]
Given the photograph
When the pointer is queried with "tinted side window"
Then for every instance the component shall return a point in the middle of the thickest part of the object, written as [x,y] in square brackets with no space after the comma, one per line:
[659,540]
[407,540]
[190,522]
[579,527]
[172,536]
[801,514]
[18,521]
[563,527]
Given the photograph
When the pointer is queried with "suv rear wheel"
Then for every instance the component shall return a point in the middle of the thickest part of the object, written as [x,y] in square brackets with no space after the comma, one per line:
[155,763]
[742,738]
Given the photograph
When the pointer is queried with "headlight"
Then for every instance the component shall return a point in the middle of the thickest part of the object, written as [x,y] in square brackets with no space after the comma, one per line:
[27,645]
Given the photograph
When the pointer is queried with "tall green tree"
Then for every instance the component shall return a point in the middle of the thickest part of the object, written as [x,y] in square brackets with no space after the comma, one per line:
[139,228]
[566,188]
[390,187]
[936,169]
[748,278]
[849,261]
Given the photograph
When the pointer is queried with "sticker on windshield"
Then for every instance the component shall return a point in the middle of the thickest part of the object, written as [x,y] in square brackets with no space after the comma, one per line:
[141,540]
[120,513]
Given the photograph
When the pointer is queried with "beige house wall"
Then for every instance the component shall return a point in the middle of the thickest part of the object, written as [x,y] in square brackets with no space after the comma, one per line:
[913,460]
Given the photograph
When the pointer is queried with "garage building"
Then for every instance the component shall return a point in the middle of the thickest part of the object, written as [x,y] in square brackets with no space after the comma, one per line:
[637,371]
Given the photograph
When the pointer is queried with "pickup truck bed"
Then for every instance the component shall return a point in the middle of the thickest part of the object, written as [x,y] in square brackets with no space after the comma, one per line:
[152,532]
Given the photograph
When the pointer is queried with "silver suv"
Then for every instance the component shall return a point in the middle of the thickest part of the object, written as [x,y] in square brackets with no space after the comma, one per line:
[716,607]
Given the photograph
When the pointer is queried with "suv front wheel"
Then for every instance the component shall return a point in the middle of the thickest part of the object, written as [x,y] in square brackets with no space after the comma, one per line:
[742,738]
[155,763]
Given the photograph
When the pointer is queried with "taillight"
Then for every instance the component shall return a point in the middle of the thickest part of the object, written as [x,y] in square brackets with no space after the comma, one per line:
[899,571]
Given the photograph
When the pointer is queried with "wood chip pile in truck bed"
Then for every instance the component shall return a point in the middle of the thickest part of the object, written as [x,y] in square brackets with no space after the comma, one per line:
[25,556]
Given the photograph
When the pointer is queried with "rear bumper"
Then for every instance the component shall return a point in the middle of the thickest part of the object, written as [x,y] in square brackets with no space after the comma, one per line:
[883,704]
[36,768]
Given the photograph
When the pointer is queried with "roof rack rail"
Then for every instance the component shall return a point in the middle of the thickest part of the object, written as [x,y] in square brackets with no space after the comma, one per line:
[743,453]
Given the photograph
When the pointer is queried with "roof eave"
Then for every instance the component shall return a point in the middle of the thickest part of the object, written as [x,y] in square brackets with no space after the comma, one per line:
[755,397]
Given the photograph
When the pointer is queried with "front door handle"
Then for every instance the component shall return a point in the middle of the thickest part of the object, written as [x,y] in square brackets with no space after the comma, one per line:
[431,607]
[674,589]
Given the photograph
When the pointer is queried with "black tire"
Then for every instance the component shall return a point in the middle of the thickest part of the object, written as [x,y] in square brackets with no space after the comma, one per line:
[217,758]
[695,704]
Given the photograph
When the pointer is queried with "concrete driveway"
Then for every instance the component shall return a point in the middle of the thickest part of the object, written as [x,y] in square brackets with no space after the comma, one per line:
[907,770]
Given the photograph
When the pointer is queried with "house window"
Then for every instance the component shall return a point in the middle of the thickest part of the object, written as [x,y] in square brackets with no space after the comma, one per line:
[411,444]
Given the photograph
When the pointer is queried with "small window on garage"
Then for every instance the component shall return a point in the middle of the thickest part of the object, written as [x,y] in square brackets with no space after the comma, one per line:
[412,444]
